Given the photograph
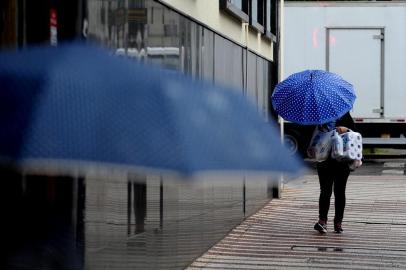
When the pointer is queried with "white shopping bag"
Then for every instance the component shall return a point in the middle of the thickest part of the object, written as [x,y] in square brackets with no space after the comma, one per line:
[337,146]
[320,145]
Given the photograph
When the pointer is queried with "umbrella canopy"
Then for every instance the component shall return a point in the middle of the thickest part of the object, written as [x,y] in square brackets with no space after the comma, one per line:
[78,105]
[313,97]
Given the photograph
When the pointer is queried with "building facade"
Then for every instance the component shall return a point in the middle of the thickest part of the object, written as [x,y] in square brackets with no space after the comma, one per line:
[212,40]
[230,42]
[115,220]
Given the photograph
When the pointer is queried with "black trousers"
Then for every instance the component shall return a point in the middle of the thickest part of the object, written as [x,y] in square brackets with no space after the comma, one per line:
[332,174]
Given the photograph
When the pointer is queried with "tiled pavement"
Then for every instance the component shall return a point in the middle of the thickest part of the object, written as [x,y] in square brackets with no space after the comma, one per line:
[281,235]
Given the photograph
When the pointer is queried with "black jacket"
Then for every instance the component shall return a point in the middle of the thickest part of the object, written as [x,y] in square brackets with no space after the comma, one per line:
[346,121]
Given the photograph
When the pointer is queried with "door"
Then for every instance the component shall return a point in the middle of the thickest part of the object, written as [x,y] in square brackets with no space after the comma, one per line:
[357,55]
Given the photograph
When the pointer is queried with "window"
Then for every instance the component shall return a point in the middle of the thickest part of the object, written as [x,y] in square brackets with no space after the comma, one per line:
[237,3]
[261,14]
[270,16]
[257,8]
[236,8]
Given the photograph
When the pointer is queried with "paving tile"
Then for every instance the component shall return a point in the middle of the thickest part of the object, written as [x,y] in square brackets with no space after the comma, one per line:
[281,235]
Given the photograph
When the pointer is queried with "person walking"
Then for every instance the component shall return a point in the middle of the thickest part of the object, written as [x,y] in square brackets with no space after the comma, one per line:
[333,176]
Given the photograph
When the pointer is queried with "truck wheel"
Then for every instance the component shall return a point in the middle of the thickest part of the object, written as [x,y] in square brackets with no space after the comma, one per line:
[291,143]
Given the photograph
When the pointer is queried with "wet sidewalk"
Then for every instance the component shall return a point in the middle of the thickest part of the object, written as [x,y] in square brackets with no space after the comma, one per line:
[281,235]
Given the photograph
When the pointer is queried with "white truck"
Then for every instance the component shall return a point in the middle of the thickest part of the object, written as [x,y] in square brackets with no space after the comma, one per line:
[365,43]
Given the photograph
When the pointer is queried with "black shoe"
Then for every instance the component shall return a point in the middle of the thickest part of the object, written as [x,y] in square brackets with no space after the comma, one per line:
[321,228]
[338,228]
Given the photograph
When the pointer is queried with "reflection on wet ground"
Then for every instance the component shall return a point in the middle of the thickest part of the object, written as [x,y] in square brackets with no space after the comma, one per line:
[119,221]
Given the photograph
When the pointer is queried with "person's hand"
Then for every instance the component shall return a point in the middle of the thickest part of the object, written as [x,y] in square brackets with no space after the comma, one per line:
[341,129]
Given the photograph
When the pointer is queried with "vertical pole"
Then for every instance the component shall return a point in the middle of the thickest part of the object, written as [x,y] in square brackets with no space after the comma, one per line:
[21,23]
[75,209]
[244,198]
[161,203]
[281,40]
[277,190]
[246,29]
[129,206]
[281,56]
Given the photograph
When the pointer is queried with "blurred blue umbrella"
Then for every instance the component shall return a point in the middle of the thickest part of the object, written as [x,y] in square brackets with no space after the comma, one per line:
[78,105]
[313,97]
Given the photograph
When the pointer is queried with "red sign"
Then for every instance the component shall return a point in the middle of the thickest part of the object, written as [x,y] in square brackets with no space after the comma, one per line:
[53,26]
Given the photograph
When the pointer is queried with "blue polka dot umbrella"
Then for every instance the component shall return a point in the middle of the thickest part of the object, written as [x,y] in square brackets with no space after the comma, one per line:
[313,97]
